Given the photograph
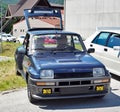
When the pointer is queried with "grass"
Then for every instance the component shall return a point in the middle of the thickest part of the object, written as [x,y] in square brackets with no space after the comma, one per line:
[8,78]
[8,48]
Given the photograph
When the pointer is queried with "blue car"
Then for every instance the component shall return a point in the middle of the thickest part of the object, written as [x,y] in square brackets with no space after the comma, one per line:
[64,69]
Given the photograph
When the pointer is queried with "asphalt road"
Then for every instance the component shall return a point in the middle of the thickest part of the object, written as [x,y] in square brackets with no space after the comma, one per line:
[17,101]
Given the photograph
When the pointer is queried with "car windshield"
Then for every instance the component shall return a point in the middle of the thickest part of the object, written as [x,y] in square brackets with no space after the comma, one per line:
[44,22]
[57,42]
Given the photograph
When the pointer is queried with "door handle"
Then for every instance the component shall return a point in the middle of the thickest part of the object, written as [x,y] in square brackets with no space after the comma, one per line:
[105,49]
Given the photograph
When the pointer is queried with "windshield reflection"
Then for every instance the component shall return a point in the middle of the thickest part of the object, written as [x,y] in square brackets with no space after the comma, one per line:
[56,42]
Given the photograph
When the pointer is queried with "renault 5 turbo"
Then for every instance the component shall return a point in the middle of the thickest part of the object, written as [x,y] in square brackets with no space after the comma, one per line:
[63,69]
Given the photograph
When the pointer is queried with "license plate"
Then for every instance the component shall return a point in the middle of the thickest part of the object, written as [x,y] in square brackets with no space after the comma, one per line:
[99,88]
[46,91]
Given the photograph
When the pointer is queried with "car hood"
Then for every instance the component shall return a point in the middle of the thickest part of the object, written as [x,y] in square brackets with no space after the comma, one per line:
[65,60]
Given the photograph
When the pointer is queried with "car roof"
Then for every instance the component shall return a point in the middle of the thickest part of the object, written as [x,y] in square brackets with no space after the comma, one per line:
[38,32]
[108,29]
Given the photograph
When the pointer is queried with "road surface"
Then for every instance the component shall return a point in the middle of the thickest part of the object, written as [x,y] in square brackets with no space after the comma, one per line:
[17,101]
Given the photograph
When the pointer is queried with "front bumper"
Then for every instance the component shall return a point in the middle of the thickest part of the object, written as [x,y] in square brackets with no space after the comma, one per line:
[69,88]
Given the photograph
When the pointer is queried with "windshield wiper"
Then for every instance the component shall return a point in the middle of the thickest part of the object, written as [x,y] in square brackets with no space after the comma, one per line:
[39,49]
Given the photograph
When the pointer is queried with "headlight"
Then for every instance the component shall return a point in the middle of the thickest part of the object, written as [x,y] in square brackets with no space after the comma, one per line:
[47,74]
[98,72]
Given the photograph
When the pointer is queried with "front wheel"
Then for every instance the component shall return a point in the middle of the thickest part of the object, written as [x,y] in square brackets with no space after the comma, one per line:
[30,97]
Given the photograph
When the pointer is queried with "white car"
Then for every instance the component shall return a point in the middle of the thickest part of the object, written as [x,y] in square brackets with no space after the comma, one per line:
[20,39]
[106,42]
[7,37]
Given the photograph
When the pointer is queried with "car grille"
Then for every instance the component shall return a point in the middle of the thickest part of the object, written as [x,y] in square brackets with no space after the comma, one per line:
[73,75]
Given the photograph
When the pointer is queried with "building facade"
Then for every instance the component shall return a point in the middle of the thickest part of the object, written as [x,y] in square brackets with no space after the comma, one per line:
[20,28]
[84,16]
[16,11]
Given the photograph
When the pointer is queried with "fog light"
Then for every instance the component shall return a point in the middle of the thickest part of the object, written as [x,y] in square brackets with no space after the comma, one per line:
[46,91]
[99,88]
[45,83]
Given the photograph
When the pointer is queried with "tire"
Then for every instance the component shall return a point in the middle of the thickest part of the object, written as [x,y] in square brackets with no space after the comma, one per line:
[16,71]
[30,97]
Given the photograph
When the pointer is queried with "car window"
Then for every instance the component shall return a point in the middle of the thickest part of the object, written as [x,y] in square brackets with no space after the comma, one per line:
[114,40]
[76,42]
[9,35]
[56,42]
[101,39]
[3,35]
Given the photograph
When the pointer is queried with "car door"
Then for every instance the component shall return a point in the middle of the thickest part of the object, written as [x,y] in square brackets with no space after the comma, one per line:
[113,53]
[19,55]
[26,59]
[99,44]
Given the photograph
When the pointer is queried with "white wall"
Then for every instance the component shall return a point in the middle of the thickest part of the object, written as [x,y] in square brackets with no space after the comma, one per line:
[83,16]
[20,28]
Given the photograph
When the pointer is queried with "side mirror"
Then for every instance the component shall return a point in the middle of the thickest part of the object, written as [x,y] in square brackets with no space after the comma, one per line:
[91,50]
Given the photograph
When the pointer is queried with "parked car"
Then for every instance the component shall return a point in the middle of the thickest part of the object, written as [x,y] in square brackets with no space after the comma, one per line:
[106,42]
[49,40]
[61,70]
[20,39]
[7,37]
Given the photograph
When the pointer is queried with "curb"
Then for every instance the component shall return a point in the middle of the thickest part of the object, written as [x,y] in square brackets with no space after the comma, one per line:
[11,91]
